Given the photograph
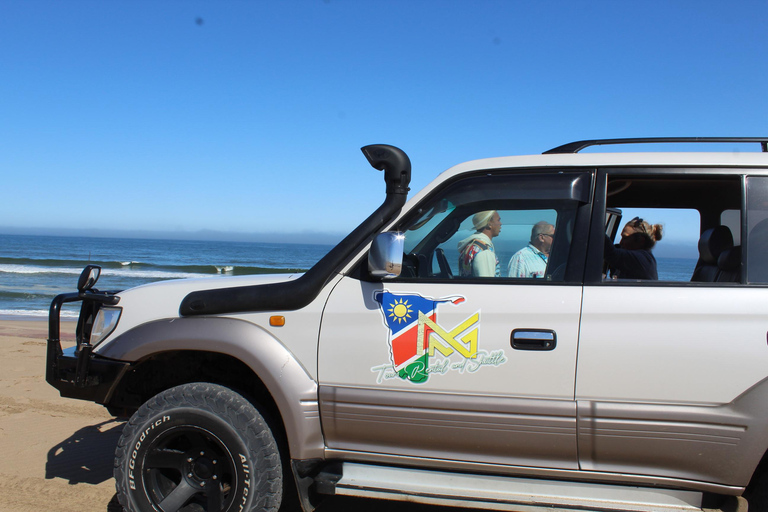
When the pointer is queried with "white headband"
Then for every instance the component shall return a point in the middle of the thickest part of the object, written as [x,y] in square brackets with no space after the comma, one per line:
[481,219]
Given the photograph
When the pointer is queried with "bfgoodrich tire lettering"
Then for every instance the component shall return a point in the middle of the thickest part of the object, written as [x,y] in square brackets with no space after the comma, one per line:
[198,447]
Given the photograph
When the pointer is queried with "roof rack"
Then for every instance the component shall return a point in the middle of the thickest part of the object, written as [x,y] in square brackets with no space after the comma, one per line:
[575,147]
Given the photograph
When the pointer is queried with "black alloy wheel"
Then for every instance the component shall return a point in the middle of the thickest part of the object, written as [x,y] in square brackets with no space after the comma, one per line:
[198,448]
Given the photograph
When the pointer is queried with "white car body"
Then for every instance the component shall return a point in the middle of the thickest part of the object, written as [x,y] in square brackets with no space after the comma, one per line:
[577,391]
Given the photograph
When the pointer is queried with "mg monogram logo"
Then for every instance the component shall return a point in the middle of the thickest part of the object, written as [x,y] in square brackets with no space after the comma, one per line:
[417,340]
[431,335]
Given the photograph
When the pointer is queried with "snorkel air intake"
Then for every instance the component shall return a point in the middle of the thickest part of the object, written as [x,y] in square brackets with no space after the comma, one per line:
[296,294]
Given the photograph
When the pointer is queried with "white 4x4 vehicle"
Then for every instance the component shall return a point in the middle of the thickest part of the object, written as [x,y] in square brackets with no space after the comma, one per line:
[389,370]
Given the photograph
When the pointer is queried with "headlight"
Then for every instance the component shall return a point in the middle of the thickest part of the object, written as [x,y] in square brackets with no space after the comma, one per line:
[105,323]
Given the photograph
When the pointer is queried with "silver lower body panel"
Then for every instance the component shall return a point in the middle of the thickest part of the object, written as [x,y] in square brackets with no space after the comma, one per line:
[507,493]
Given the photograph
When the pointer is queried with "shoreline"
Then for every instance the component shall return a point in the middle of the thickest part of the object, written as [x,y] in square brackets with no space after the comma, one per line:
[33,318]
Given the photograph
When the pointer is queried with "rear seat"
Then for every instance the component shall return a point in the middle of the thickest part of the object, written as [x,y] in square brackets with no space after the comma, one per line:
[729,263]
[712,244]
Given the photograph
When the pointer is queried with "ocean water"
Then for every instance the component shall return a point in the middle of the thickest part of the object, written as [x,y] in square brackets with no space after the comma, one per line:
[34,269]
[675,269]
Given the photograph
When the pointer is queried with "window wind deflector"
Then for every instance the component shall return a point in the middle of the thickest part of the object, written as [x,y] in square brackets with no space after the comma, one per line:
[441,207]
[575,147]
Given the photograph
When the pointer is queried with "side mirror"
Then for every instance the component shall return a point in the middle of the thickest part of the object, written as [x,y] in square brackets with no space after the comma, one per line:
[385,258]
[88,278]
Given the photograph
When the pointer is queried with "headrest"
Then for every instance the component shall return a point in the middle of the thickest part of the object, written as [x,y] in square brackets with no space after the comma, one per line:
[713,242]
[730,260]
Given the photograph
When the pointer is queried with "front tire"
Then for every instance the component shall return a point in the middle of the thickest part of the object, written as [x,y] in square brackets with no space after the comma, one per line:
[198,448]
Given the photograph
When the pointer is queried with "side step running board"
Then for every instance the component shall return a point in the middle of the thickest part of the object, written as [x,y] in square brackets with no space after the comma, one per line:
[501,493]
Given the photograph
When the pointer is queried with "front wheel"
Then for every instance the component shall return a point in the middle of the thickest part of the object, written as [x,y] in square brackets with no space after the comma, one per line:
[198,448]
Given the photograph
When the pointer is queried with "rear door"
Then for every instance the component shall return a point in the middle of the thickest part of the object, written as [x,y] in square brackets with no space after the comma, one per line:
[462,369]
[671,377]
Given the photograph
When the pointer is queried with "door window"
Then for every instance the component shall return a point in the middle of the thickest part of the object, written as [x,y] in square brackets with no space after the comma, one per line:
[672,228]
[676,252]
[495,227]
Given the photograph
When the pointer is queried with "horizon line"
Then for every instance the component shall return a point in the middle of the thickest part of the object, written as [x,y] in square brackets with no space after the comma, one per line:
[312,237]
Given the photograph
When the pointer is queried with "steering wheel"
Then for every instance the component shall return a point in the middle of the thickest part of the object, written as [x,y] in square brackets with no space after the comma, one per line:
[442,262]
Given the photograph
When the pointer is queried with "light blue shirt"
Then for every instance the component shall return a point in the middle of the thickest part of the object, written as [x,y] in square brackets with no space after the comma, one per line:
[528,262]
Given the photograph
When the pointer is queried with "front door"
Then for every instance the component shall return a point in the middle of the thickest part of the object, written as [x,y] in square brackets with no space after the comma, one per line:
[445,365]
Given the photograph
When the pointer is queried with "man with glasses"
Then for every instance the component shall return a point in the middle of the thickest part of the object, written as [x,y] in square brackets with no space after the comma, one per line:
[531,261]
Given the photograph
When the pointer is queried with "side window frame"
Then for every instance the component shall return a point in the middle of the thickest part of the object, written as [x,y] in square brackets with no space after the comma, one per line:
[593,267]
[582,211]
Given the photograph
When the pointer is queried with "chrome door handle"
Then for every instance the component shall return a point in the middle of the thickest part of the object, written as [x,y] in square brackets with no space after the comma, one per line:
[534,339]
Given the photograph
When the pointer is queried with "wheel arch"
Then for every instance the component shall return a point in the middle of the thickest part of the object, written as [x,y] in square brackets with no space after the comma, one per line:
[226,351]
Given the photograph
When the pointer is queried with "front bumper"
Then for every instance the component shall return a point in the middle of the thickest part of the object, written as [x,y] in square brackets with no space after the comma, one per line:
[76,372]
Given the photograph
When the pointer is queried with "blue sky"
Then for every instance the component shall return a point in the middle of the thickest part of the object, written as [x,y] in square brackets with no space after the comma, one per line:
[247,116]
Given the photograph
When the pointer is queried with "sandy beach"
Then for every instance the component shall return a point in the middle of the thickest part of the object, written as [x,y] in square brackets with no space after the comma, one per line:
[57,453]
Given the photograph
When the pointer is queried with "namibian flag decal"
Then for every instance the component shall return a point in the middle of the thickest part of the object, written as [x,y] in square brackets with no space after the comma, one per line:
[415,335]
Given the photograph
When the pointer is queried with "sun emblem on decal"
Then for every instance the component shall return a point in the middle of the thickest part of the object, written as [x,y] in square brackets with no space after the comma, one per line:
[400,311]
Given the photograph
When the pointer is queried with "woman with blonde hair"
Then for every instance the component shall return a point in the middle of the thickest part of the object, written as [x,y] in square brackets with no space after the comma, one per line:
[632,258]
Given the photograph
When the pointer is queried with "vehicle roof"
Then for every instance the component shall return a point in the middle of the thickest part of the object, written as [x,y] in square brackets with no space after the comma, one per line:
[587,160]
[731,159]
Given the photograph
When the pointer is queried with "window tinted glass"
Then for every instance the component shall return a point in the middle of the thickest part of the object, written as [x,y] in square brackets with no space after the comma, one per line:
[674,227]
[676,253]
[476,227]
[732,219]
[514,236]
[757,229]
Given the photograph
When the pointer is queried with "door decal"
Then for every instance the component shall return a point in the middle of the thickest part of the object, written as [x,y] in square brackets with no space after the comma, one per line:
[415,336]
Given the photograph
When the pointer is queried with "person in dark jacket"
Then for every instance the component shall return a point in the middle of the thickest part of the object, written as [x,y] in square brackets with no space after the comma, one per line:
[632,258]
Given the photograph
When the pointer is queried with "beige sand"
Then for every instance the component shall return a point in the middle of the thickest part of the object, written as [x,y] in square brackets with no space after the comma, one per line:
[56,453]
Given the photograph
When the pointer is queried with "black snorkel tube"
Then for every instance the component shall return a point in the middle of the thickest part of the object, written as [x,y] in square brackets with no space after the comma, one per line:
[296,294]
